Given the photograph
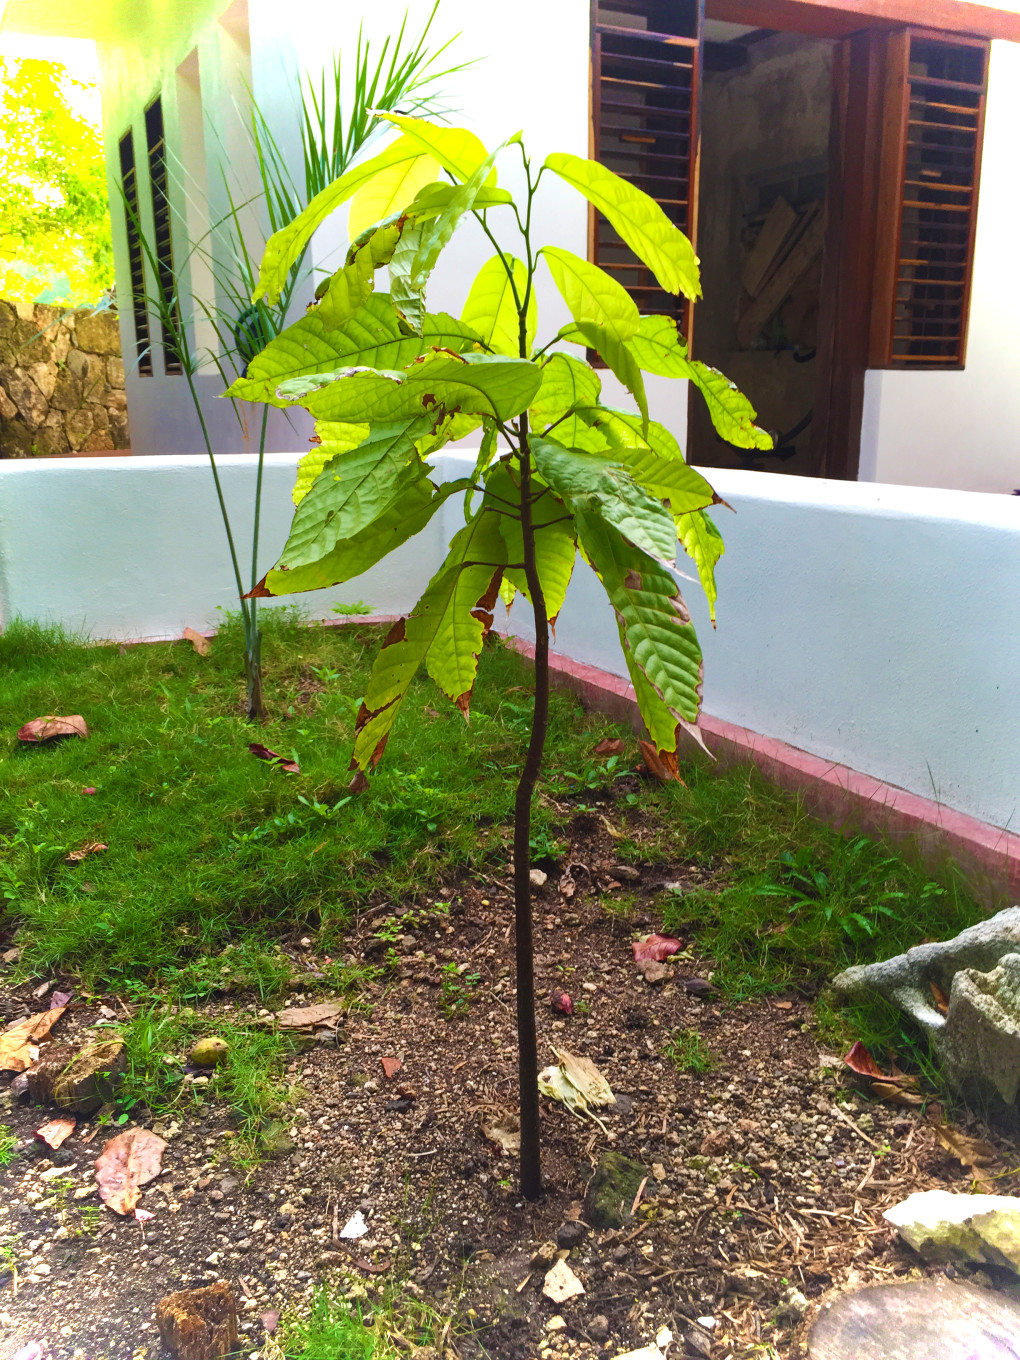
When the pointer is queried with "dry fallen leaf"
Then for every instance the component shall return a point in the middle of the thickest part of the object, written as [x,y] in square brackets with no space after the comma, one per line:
[126,1163]
[502,1127]
[896,1095]
[610,746]
[390,1067]
[201,644]
[896,1087]
[657,947]
[567,884]
[46,729]
[57,1131]
[662,764]
[264,753]
[83,851]
[939,997]
[310,1017]
[969,1151]
[859,1060]
[16,1043]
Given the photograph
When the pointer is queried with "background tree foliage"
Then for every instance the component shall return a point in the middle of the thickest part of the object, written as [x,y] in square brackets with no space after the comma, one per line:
[54,214]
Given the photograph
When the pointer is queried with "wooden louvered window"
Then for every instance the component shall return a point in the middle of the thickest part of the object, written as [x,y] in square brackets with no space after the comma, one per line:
[646,65]
[136,268]
[931,161]
[169,313]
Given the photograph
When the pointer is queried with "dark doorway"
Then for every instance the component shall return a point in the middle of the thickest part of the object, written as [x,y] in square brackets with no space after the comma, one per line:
[765,133]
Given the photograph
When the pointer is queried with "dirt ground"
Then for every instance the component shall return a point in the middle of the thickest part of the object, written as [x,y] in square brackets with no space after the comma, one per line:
[764,1192]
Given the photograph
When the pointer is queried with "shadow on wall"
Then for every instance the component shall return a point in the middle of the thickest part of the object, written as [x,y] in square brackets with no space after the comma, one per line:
[61,382]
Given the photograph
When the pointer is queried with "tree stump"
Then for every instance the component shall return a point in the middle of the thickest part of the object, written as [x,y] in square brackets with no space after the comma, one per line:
[199,1324]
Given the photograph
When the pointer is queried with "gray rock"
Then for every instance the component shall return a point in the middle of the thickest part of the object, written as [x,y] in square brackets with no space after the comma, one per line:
[26,397]
[978,1042]
[898,1321]
[941,1226]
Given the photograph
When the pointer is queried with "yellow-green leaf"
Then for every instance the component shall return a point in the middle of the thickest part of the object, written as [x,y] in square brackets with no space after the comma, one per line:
[491,310]
[591,294]
[456,149]
[703,543]
[334,437]
[389,192]
[637,218]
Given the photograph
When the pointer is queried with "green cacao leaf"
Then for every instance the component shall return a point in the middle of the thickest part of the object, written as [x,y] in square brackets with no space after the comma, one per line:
[617,356]
[456,149]
[591,295]
[653,459]
[434,198]
[703,543]
[407,516]
[390,192]
[555,540]
[659,348]
[285,245]
[567,383]
[596,484]
[334,437]
[353,489]
[491,310]
[655,628]
[482,384]
[638,219]
[407,292]
[450,616]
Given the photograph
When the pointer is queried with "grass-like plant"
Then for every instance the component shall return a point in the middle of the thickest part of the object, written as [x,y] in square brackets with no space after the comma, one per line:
[336,128]
[558,471]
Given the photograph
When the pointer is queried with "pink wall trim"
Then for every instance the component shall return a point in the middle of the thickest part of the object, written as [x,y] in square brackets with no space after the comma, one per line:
[988,855]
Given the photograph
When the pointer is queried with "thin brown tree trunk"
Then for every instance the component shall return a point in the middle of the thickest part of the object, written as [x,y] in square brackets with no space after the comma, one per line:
[527,1046]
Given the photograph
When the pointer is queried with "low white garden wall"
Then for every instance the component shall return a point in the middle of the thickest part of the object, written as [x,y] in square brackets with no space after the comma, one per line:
[876,626]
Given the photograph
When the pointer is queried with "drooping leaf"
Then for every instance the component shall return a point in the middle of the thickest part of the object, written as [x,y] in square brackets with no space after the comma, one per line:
[407,516]
[567,383]
[592,295]
[408,643]
[389,192]
[594,483]
[555,540]
[490,308]
[407,292]
[285,245]
[354,489]
[659,348]
[456,149]
[452,659]
[655,627]
[617,356]
[433,237]
[703,543]
[334,437]
[486,453]
[637,218]
[483,384]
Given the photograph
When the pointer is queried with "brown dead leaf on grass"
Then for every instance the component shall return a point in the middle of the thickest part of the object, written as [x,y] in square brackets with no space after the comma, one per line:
[969,1151]
[662,764]
[51,726]
[201,644]
[896,1087]
[126,1163]
[610,746]
[83,851]
[18,1042]
[273,757]
[310,1017]
[57,1131]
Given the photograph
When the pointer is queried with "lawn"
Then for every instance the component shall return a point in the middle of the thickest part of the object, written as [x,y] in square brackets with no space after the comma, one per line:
[228,885]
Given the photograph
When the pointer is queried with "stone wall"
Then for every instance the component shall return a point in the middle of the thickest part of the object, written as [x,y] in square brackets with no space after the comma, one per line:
[61,382]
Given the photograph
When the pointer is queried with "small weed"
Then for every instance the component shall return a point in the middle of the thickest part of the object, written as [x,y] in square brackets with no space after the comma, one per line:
[358,609]
[456,989]
[8,1145]
[333,1330]
[687,1049]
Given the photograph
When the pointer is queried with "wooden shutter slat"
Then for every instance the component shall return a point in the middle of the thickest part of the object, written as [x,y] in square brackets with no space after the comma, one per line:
[136,266]
[159,184]
[934,124]
[645,90]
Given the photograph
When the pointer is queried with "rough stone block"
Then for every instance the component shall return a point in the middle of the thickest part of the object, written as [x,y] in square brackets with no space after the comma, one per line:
[611,1191]
[78,426]
[27,398]
[115,371]
[45,378]
[67,393]
[78,1080]
[941,1226]
[99,333]
[199,1324]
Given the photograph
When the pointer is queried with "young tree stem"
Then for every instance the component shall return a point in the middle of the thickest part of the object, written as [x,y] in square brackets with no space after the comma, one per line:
[527,1046]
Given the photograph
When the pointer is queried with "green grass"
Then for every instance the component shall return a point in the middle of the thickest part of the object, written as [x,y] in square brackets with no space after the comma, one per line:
[215,858]
[8,1143]
[332,1330]
[686,1049]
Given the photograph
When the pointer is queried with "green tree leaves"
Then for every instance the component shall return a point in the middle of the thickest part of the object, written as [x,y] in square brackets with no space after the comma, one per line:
[638,219]
[491,308]
[592,295]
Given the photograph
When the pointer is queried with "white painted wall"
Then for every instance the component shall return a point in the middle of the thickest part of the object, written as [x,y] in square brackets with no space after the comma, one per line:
[875,626]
